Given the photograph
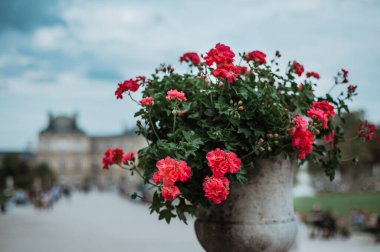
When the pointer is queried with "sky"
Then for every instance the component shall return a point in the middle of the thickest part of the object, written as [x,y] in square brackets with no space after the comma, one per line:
[67,56]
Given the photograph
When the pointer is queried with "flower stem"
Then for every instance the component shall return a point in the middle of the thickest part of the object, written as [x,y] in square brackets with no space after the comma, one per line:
[174,119]
[152,125]
[129,94]
[134,168]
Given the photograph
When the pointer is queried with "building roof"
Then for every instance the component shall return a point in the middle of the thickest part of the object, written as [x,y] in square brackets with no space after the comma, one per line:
[62,124]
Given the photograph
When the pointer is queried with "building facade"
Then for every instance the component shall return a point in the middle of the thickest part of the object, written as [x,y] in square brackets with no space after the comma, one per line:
[73,155]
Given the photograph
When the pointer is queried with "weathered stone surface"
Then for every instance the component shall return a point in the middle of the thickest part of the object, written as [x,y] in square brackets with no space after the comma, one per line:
[257,216]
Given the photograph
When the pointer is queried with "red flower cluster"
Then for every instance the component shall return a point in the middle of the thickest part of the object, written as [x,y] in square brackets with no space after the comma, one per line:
[169,172]
[129,85]
[190,57]
[321,111]
[330,137]
[366,131]
[256,56]
[313,74]
[220,55]
[216,189]
[223,57]
[116,156]
[345,75]
[351,89]
[147,101]
[228,71]
[221,162]
[302,138]
[175,94]
[297,68]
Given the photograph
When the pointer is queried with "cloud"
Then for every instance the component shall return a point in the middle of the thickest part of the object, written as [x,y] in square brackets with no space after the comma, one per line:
[28,15]
[68,56]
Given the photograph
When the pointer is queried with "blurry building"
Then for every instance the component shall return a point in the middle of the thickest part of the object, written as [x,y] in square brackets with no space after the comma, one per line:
[75,156]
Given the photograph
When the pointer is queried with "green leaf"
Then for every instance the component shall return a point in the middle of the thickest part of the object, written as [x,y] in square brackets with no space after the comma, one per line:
[167,215]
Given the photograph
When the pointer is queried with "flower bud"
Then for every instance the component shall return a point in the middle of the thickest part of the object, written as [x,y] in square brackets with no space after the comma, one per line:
[240,102]
[316,132]
[269,149]
[241,108]
[261,140]
[276,142]
[270,135]
[261,149]
[275,135]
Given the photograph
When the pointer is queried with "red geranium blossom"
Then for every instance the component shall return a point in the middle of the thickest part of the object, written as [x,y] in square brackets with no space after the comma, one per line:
[256,56]
[351,88]
[345,75]
[302,138]
[216,189]
[313,74]
[147,101]
[192,57]
[330,137]
[175,94]
[366,131]
[228,72]
[129,85]
[320,111]
[128,157]
[116,156]
[221,162]
[220,55]
[170,192]
[297,68]
[171,171]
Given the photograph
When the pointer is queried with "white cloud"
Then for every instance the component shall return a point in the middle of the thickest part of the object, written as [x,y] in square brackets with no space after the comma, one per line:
[132,38]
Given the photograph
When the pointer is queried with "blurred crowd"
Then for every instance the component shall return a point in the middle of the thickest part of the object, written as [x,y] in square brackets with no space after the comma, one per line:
[324,224]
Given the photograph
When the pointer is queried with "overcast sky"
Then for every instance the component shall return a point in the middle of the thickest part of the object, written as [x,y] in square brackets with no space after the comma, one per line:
[68,56]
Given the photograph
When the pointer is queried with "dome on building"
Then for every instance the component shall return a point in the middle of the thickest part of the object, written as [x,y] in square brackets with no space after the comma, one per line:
[62,124]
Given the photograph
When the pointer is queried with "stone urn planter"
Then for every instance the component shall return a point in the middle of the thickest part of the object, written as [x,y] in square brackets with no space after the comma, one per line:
[257,216]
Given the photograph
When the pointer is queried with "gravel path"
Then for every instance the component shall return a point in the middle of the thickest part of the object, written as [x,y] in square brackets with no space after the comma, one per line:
[105,222]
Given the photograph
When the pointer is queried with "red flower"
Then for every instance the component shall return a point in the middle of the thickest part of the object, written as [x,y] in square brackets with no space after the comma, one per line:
[216,189]
[171,171]
[312,74]
[220,55]
[170,192]
[129,85]
[366,131]
[256,56]
[330,137]
[345,75]
[115,156]
[107,159]
[242,69]
[147,101]
[302,138]
[297,68]
[221,162]
[228,72]
[351,89]
[190,56]
[175,94]
[320,111]
[130,156]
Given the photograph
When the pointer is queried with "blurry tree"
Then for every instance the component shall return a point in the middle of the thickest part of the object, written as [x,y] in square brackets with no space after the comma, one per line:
[13,166]
[44,175]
